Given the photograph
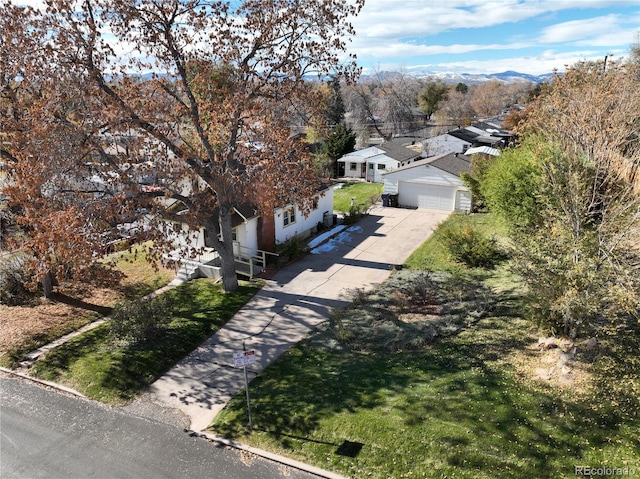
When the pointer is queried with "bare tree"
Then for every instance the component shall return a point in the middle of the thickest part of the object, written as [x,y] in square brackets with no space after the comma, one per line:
[490,98]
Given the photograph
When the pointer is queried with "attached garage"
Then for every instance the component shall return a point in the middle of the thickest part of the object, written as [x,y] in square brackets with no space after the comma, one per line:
[433,183]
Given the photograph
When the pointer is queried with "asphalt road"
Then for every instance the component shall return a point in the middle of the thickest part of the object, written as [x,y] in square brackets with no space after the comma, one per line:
[46,434]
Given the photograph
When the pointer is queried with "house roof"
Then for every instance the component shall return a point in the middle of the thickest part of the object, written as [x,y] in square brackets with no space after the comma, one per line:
[484,150]
[396,150]
[452,163]
[464,135]
[393,150]
[361,156]
[489,140]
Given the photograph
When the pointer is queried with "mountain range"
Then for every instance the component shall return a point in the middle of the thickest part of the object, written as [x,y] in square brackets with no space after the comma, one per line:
[468,78]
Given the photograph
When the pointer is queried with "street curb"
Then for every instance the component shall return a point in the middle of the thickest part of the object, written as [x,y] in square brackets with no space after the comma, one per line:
[43,382]
[270,456]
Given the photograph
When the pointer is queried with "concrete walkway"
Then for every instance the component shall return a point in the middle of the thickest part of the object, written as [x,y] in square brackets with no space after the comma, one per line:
[299,297]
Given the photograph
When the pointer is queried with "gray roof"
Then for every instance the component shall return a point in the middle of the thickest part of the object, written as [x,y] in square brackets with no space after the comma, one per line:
[453,163]
[396,150]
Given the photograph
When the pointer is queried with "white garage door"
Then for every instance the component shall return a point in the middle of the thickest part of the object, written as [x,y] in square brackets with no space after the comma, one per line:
[424,195]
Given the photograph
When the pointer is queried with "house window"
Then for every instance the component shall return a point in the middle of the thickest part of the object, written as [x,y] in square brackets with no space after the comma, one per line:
[234,234]
[289,216]
[371,166]
[381,166]
[353,166]
[315,203]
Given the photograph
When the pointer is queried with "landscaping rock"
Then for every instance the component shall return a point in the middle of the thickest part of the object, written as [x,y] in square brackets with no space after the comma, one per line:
[548,343]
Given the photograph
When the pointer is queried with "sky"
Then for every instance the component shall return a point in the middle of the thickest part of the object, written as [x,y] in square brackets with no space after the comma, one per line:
[491,36]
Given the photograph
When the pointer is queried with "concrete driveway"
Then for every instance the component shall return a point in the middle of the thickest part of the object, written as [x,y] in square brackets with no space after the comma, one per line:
[299,297]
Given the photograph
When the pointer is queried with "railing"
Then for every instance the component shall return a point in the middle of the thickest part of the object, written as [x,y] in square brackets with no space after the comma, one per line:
[251,258]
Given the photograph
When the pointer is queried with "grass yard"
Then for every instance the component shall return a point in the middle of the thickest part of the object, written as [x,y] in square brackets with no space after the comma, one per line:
[467,404]
[364,194]
[25,328]
[97,366]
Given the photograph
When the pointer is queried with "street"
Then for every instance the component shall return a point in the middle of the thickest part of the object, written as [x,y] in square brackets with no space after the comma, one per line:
[46,434]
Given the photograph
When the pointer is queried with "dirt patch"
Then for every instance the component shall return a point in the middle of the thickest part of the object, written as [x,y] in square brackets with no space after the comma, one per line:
[25,328]
[555,363]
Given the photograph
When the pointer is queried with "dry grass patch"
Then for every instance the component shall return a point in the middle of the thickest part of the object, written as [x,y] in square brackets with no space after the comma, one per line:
[24,328]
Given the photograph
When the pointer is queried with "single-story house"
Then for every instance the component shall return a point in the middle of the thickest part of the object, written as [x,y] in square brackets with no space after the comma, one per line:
[431,183]
[254,236]
[371,163]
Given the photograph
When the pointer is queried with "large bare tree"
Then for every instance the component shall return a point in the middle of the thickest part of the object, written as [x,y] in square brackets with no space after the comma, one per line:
[106,104]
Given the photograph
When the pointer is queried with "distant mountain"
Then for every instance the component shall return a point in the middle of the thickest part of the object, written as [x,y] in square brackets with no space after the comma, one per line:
[468,78]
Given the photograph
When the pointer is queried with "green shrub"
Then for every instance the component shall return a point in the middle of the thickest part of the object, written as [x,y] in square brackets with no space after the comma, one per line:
[140,320]
[293,248]
[468,245]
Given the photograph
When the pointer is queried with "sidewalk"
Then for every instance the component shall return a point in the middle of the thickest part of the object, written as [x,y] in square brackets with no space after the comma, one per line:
[298,298]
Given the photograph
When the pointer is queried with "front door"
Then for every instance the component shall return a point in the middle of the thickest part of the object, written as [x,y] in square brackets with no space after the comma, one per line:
[363,170]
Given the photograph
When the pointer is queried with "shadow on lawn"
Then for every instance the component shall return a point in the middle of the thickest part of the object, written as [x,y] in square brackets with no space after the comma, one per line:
[78,303]
[476,414]
[119,371]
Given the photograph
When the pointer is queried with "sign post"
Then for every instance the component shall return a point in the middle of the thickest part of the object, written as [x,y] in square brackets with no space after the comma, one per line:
[244,359]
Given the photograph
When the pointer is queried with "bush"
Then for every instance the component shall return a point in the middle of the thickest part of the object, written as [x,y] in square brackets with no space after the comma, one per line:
[293,248]
[13,277]
[469,246]
[140,320]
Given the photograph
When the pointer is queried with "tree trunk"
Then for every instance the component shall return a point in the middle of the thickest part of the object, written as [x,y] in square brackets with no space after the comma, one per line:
[225,250]
[48,283]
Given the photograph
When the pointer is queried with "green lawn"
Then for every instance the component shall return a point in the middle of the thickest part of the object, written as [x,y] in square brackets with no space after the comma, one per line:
[113,373]
[463,406]
[364,194]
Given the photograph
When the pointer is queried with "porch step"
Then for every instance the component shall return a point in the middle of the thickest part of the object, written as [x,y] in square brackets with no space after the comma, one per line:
[188,270]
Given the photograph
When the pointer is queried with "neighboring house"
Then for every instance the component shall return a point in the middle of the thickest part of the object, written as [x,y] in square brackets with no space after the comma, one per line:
[431,183]
[370,164]
[460,140]
[455,141]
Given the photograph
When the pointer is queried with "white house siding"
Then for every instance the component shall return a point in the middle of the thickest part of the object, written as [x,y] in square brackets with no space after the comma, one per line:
[463,200]
[378,165]
[349,173]
[303,226]
[246,243]
[427,187]
[443,144]
[180,236]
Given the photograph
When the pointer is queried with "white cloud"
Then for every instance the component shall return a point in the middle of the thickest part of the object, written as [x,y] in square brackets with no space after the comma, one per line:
[580,29]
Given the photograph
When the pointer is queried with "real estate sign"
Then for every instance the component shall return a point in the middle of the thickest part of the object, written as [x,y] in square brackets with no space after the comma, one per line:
[243,359]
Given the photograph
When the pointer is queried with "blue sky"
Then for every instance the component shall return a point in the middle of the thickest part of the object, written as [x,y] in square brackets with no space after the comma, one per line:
[491,36]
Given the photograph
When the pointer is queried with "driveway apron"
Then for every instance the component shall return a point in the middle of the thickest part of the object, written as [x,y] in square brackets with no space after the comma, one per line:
[298,298]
